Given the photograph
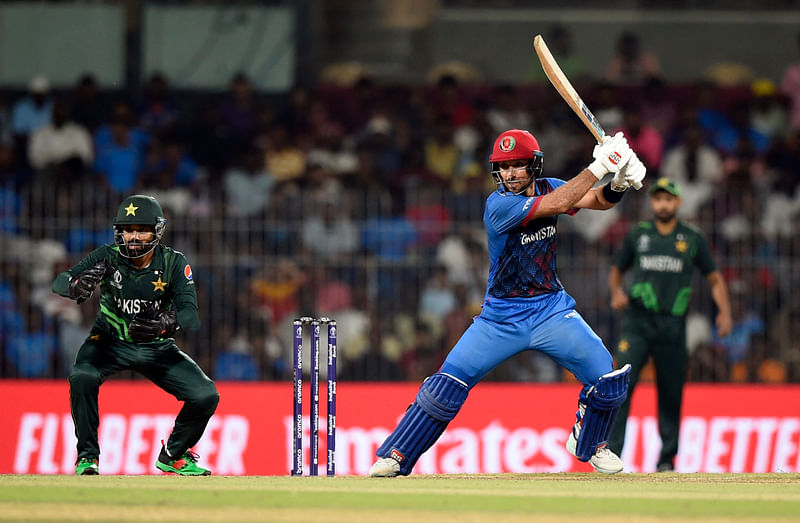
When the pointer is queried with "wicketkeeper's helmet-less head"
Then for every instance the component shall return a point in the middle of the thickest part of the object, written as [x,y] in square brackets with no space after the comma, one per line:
[512,145]
[139,209]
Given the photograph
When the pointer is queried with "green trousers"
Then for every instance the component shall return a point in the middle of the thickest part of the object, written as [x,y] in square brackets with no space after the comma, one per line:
[162,363]
[662,337]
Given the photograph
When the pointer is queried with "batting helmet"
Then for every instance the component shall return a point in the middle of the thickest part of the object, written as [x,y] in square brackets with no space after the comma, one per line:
[516,144]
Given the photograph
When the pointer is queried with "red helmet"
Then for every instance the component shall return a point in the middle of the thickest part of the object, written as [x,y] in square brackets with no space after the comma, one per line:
[514,144]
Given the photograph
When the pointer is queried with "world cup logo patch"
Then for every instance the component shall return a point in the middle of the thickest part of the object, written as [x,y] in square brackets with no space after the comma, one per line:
[507,144]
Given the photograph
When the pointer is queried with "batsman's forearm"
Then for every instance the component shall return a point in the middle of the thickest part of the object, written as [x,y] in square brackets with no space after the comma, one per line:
[565,197]
[61,284]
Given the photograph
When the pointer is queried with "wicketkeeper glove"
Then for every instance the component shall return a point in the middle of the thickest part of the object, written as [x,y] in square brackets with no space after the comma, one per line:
[610,155]
[81,286]
[151,324]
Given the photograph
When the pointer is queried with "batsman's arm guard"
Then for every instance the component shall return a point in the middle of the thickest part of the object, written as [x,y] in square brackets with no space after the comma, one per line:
[598,409]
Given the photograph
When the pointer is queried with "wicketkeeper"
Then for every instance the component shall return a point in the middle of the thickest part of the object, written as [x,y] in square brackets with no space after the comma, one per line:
[147,293]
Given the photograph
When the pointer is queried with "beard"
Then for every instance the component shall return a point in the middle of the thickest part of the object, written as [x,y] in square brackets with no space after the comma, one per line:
[665,216]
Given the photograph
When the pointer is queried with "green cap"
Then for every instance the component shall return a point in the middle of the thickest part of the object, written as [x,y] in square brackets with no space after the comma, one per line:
[665,184]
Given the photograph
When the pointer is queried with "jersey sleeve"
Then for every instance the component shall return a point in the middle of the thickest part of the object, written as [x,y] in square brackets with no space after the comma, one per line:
[624,258]
[703,259]
[504,213]
[184,296]
[61,283]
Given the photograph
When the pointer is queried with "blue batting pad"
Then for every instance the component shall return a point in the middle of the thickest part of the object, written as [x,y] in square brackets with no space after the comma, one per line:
[438,401]
[602,401]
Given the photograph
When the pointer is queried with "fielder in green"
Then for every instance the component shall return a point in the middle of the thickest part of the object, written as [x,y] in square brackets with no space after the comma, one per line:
[662,254]
[147,293]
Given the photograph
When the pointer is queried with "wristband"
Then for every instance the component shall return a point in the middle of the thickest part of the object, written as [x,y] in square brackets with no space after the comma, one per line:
[611,195]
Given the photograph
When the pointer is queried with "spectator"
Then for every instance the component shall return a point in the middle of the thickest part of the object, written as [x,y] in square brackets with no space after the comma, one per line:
[424,356]
[31,351]
[169,174]
[508,111]
[87,106]
[284,159]
[120,149]
[658,106]
[31,112]
[387,234]
[450,99]
[235,360]
[330,234]
[63,146]
[276,290]
[746,324]
[437,299]
[239,116]
[767,115]
[631,64]
[248,185]
[441,153]
[372,364]
[643,137]
[6,139]
[378,138]
[606,106]
[559,41]
[429,216]
[158,114]
[694,166]
[790,86]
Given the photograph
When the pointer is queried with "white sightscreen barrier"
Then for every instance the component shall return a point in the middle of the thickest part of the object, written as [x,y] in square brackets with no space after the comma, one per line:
[203,47]
[61,42]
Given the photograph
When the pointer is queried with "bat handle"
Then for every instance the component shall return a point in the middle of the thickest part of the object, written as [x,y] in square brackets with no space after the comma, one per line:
[637,185]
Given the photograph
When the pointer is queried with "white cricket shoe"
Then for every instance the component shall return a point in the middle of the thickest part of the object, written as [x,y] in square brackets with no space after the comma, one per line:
[385,468]
[603,460]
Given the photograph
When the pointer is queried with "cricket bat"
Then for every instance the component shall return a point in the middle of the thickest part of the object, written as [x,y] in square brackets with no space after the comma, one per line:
[565,89]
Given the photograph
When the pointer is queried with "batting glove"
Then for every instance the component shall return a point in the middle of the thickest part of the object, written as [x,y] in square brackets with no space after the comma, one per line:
[610,155]
[631,175]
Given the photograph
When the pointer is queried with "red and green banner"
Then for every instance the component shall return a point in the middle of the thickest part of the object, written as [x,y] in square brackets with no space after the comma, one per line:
[501,428]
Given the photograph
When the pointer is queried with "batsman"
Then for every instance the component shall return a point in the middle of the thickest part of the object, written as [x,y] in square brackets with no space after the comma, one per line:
[147,294]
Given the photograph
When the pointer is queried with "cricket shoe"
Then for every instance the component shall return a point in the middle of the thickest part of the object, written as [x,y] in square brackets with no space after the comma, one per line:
[603,459]
[185,465]
[385,468]
[86,467]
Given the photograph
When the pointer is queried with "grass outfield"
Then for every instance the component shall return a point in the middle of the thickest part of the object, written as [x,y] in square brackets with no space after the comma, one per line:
[502,498]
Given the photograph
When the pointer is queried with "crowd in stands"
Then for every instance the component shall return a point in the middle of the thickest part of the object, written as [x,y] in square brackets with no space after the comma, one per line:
[364,203]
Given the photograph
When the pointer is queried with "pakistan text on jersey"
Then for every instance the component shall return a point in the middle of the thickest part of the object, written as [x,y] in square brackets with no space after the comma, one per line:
[133,306]
[661,264]
[541,234]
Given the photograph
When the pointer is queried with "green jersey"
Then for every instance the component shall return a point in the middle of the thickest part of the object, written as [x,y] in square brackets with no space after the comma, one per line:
[126,290]
[662,266]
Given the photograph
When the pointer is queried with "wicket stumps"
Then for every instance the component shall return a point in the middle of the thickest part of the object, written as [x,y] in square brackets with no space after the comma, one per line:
[297,424]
